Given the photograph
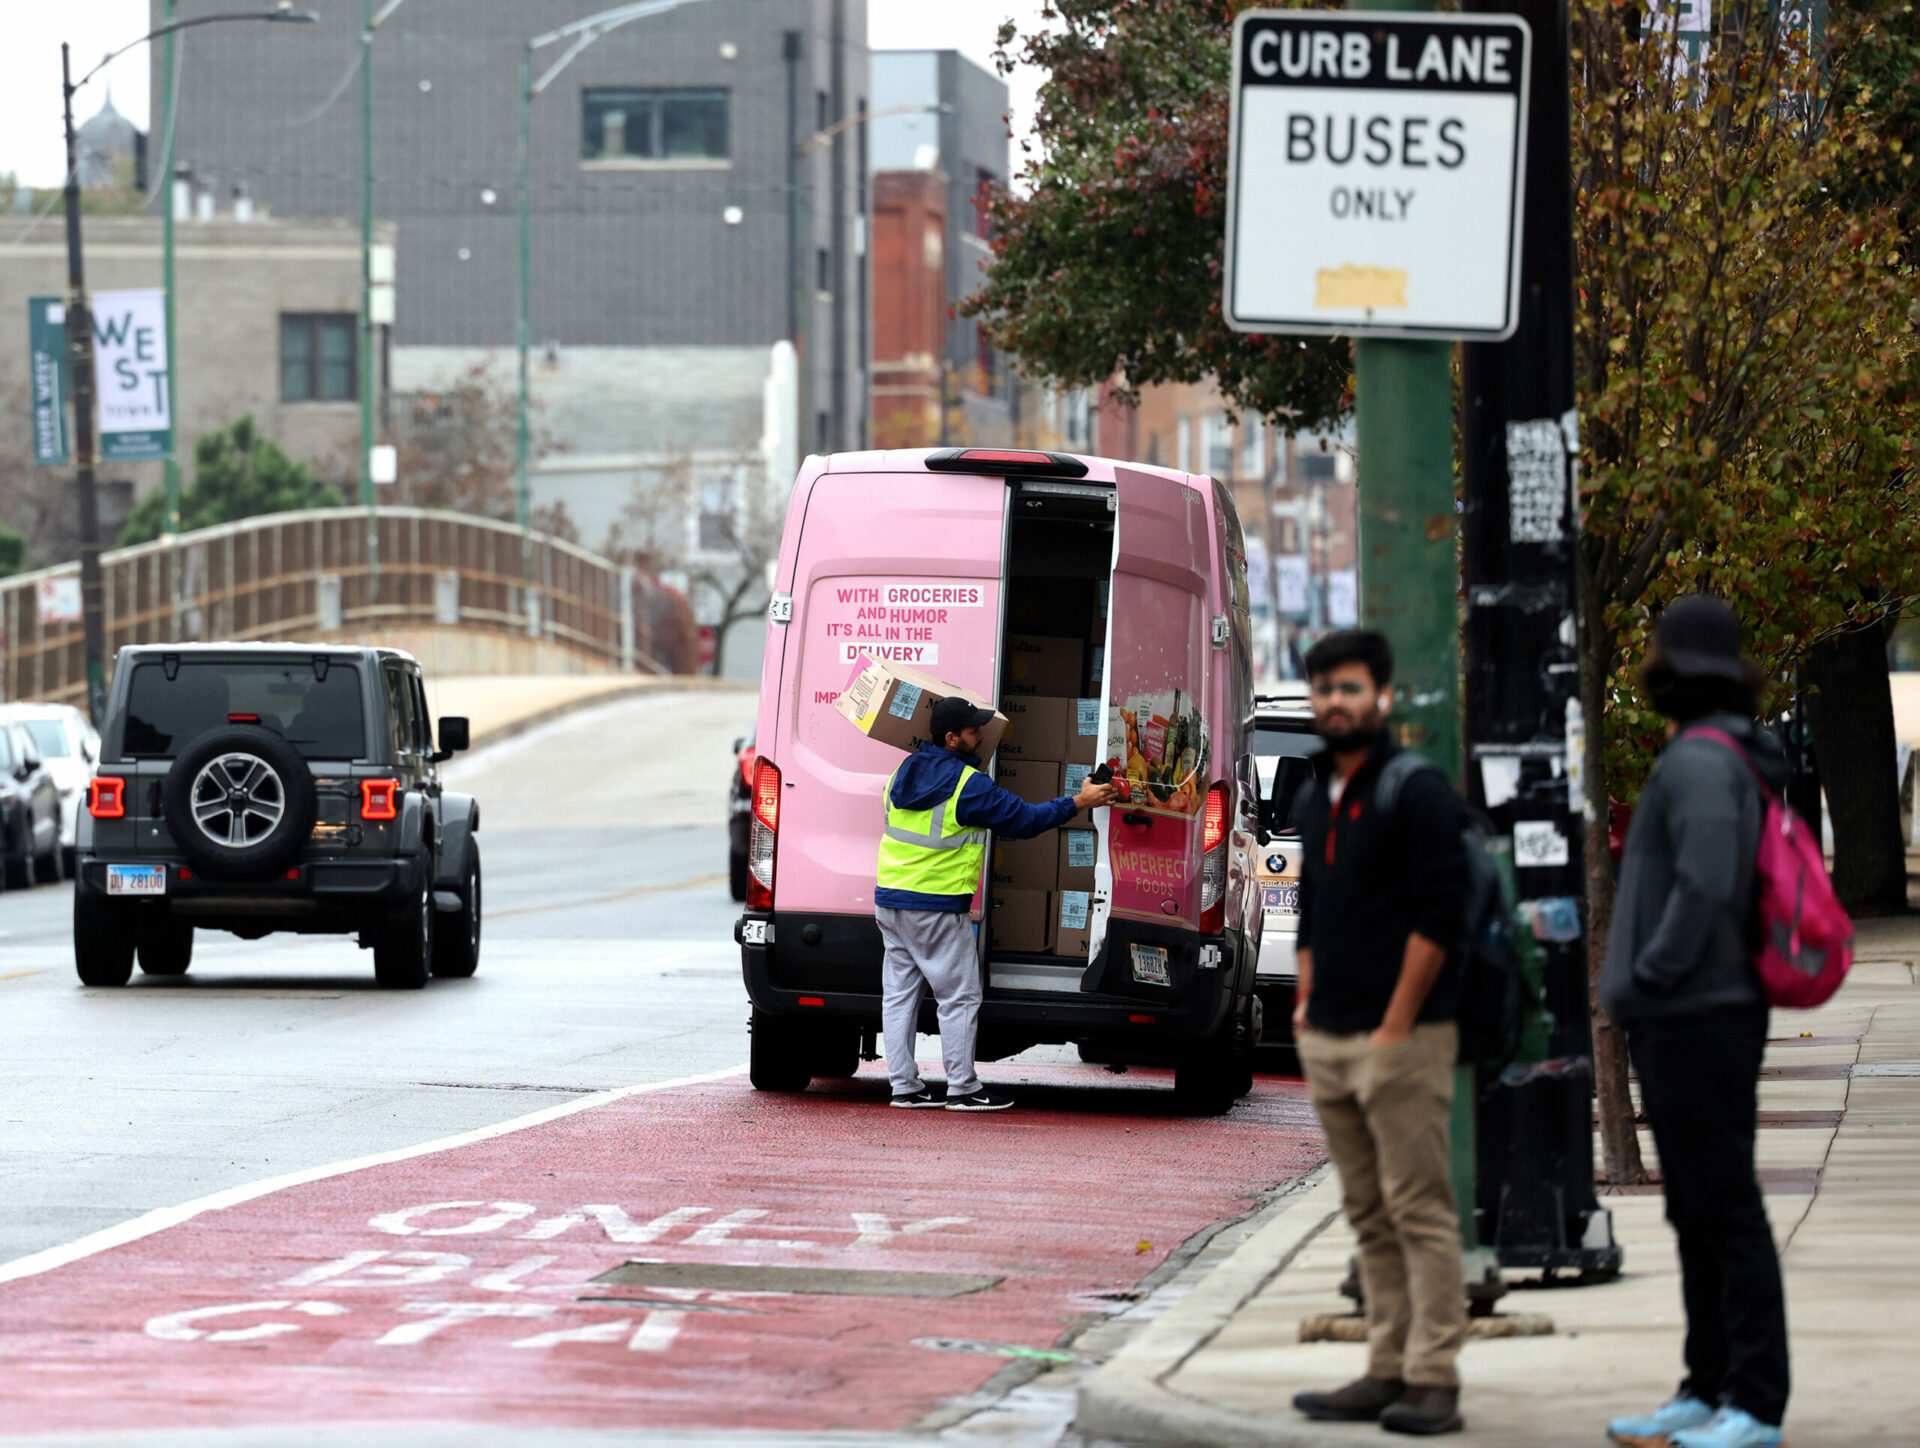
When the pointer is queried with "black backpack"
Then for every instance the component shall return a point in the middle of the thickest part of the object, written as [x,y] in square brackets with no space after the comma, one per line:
[1493,984]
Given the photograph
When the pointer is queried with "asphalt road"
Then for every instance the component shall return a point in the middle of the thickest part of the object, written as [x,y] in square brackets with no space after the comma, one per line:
[607,960]
[661,1254]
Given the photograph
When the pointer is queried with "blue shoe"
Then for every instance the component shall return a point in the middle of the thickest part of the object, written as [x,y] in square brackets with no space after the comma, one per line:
[1655,1429]
[1731,1428]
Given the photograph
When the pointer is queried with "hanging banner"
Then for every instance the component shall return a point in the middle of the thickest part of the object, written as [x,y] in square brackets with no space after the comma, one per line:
[1294,596]
[47,377]
[1343,598]
[130,374]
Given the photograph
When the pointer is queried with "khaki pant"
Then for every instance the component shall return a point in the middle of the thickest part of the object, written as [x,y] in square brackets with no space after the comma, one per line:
[1386,1112]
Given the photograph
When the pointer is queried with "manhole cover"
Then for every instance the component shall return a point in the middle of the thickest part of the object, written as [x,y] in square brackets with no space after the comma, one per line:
[825,1281]
[1907,1069]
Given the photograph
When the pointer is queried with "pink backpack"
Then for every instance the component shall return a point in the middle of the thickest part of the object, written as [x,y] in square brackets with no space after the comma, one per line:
[1804,941]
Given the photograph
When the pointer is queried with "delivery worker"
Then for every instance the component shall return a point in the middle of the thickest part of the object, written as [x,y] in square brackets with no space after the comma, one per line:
[940,809]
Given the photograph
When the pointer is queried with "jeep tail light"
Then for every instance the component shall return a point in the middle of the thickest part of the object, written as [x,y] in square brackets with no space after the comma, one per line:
[107,798]
[379,799]
[1213,863]
[764,834]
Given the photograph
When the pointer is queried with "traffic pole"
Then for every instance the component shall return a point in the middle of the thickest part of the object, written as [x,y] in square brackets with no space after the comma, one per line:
[1521,528]
[367,358]
[80,356]
[168,100]
[1409,589]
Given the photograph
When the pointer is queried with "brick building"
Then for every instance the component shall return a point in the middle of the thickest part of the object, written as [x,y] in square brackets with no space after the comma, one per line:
[910,307]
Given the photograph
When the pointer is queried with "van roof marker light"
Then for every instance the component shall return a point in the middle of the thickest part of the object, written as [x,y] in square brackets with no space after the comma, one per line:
[1021,461]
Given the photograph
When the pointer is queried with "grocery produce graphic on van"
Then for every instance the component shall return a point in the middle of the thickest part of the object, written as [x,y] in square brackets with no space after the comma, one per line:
[1158,744]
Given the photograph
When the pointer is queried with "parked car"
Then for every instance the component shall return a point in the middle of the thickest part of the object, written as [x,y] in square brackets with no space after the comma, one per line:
[1283,744]
[70,747]
[256,788]
[739,814]
[29,811]
[1119,588]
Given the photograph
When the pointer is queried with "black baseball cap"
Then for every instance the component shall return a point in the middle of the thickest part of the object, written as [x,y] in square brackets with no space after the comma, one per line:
[954,713]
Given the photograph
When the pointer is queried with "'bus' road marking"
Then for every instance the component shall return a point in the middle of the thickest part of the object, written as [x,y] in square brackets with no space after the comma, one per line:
[162,1218]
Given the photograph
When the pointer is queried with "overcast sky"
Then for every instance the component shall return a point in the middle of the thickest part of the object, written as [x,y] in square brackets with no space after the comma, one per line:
[31,145]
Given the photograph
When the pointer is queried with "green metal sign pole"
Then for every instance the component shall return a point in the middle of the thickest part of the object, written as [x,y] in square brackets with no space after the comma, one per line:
[1409,583]
[168,100]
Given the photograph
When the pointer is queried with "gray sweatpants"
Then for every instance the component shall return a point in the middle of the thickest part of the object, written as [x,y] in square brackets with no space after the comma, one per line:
[929,949]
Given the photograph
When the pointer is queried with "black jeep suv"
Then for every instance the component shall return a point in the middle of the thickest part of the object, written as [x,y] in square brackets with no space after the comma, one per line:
[261,787]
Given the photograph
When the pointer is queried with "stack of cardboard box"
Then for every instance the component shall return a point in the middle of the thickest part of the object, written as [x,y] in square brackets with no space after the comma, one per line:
[1042,887]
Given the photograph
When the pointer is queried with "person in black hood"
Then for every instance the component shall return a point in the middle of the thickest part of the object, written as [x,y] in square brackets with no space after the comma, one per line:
[1679,977]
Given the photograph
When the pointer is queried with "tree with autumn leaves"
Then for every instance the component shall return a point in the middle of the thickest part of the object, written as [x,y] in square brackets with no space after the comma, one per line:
[1745,344]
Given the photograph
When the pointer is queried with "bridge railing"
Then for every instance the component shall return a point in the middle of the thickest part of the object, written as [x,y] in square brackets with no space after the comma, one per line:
[289,575]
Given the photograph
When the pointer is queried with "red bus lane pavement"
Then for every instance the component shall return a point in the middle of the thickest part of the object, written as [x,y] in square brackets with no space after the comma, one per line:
[812,1262]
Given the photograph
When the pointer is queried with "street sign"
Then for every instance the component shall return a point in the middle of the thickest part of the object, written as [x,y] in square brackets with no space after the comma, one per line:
[57,599]
[130,375]
[47,377]
[1374,174]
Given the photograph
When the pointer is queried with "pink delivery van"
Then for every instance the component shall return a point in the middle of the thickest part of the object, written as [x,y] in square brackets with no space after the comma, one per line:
[1102,607]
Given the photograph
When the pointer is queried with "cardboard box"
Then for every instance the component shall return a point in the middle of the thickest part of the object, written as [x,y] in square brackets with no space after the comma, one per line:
[1034,780]
[1085,731]
[1037,727]
[894,704]
[1037,664]
[1021,921]
[1077,852]
[1027,864]
[1072,921]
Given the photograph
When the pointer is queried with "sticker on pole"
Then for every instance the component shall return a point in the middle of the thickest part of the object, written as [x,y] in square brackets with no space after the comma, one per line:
[1374,178]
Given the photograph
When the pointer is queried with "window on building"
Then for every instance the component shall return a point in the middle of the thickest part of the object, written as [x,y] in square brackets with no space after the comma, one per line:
[1216,445]
[620,124]
[716,521]
[1183,445]
[822,433]
[823,110]
[1318,467]
[988,361]
[983,183]
[1253,447]
[823,270]
[317,357]
[1153,450]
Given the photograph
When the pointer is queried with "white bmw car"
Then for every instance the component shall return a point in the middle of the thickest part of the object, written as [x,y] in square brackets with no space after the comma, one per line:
[1283,743]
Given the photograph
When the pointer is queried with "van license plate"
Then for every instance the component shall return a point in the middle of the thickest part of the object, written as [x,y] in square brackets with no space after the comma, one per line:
[136,880]
[1150,965]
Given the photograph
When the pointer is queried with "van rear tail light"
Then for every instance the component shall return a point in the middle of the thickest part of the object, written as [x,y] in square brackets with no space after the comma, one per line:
[107,798]
[764,835]
[1213,863]
[379,799]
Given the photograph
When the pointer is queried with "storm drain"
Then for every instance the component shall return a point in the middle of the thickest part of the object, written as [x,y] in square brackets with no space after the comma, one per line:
[816,1281]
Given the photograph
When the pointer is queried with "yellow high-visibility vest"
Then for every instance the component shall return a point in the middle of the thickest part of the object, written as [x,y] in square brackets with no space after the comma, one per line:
[926,851]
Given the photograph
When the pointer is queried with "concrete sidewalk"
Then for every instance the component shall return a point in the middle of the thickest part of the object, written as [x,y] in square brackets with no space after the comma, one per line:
[1843,1175]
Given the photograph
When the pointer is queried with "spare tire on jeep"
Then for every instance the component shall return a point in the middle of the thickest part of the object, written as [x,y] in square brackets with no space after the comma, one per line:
[240,802]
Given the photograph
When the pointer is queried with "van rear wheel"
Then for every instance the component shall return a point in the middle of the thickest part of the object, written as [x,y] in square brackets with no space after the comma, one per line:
[776,1055]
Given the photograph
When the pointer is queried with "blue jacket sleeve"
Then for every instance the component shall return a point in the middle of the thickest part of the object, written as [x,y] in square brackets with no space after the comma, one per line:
[984,805]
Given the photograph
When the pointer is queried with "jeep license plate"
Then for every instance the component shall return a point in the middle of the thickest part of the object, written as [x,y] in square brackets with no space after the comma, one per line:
[136,880]
[1150,965]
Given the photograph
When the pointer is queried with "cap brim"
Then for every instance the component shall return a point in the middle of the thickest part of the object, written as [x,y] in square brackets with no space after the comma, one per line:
[1692,665]
[981,719]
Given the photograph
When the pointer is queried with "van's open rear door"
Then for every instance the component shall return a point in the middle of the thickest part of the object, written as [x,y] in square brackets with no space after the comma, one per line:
[1154,693]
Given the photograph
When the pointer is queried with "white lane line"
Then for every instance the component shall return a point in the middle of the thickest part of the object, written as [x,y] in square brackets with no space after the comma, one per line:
[162,1218]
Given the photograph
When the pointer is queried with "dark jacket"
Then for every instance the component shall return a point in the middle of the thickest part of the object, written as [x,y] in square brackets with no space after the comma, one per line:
[928,777]
[1367,884]
[1681,941]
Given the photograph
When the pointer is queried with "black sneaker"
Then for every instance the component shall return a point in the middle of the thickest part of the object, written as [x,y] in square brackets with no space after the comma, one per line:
[981,1100]
[917,1099]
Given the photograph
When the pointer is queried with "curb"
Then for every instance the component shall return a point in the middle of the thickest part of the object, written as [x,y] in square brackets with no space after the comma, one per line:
[650,684]
[1126,1400]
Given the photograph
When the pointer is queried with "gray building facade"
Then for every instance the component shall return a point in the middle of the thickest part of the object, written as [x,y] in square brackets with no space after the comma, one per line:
[678,196]
[967,142]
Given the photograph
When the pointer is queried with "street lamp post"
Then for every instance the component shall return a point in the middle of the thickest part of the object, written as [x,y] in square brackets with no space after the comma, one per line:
[80,349]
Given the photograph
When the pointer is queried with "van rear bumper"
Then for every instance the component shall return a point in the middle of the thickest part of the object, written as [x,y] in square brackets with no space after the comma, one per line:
[826,966]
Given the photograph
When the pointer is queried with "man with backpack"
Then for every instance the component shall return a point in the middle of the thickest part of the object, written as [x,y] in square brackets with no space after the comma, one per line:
[1680,978]
[1383,890]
